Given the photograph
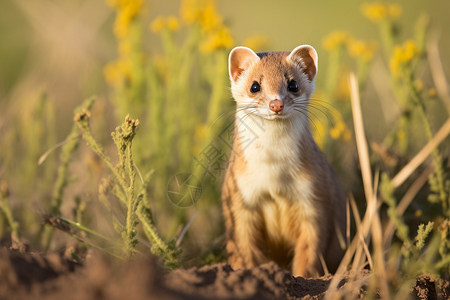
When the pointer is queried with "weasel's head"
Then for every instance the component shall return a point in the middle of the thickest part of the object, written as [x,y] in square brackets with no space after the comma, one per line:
[273,85]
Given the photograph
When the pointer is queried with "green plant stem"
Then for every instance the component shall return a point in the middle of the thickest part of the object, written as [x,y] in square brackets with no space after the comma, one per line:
[131,217]
[159,247]
[67,151]
[123,139]
[86,229]
[388,40]
[419,103]
[92,143]
[84,241]
[62,180]
[387,193]
[387,37]
[6,209]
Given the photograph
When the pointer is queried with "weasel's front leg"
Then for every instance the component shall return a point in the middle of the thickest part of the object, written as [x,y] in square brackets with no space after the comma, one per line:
[244,246]
[306,262]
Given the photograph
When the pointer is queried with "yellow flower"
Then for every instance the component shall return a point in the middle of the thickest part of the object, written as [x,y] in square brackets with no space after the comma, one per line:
[257,43]
[209,18]
[189,10]
[117,72]
[359,48]
[203,12]
[161,23]
[120,71]
[319,134]
[172,23]
[407,51]
[336,131]
[158,24]
[374,11]
[132,7]
[378,11]
[340,129]
[403,55]
[127,10]
[220,38]
[335,40]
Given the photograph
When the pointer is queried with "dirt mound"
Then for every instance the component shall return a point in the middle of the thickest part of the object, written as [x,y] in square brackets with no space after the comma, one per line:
[265,282]
[35,276]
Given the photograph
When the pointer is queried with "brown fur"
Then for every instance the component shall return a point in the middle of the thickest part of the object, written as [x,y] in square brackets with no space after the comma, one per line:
[292,232]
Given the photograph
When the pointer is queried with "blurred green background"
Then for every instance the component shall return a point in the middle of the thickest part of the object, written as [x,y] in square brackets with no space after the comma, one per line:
[62,46]
[54,54]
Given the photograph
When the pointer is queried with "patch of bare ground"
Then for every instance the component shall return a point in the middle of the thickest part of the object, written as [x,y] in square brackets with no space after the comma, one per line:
[30,275]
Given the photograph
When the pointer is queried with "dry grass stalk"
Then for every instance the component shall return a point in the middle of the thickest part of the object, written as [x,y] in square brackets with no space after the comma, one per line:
[359,258]
[405,202]
[423,154]
[371,218]
[371,224]
[361,141]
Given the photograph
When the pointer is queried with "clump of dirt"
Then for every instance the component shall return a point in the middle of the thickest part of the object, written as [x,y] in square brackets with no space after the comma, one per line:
[265,282]
[425,288]
[35,276]
[30,275]
[20,270]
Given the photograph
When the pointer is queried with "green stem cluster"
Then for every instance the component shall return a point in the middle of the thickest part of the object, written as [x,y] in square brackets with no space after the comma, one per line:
[68,149]
[439,175]
[123,185]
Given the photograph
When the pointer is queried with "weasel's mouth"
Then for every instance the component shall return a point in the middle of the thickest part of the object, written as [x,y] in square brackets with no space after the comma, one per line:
[275,116]
[271,115]
[268,114]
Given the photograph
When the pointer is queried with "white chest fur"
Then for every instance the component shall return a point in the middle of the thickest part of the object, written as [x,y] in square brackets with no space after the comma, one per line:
[272,152]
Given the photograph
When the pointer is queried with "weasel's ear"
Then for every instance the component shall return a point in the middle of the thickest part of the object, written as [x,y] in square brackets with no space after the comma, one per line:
[240,58]
[306,58]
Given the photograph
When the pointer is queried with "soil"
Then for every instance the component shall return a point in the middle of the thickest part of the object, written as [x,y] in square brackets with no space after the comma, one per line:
[31,275]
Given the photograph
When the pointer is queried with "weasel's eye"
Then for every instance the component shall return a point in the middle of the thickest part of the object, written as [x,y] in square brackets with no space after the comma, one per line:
[255,87]
[292,86]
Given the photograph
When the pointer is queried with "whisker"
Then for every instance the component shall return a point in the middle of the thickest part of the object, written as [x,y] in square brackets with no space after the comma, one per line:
[325,104]
[308,117]
[230,113]
[317,105]
[225,114]
[324,113]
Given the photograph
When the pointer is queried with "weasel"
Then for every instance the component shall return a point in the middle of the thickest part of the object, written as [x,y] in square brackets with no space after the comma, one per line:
[281,199]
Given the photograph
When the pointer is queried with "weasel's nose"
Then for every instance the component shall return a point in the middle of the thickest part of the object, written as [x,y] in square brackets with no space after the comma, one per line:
[276,105]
